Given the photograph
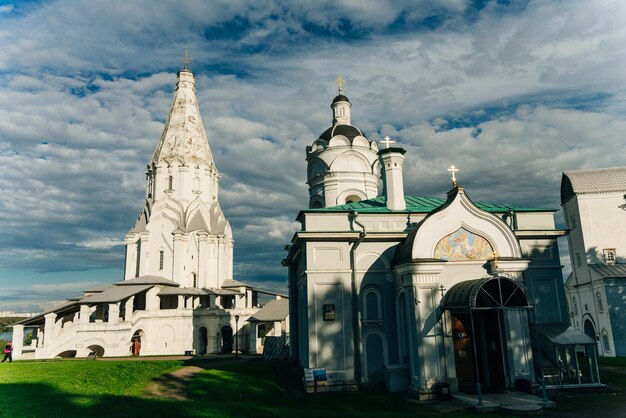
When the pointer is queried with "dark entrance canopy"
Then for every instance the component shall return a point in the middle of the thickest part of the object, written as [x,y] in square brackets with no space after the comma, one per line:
[493,292]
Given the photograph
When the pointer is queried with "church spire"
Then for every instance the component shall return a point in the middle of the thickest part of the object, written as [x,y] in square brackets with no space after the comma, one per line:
[184,138]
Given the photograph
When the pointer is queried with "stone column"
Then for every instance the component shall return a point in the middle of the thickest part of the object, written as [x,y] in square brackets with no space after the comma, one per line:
[114,313]
[18,340]
[202,259]
[129,309]
[179,254]
[420,281]
[152,299]
[181,301]
[49,329]
[144,266]
[131,253]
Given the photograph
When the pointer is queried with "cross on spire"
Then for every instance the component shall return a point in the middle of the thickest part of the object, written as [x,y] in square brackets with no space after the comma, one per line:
[387,141]
[186,60]
[453,170]
[340,82]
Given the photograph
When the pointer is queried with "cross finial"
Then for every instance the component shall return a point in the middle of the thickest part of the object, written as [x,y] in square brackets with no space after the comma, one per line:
[186,60]
[387,141]
[453,170]
[495,259]
[340,82]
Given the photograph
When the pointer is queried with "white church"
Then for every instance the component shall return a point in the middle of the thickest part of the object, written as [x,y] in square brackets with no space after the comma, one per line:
[420,293]
[594,209]
[178,294]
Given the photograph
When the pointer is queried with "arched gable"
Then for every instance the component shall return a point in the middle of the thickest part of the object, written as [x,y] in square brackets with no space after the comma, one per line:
[351,161]
[372,261]
[342,198]
[338,140]
[360,141]
[170,209]
[460,213]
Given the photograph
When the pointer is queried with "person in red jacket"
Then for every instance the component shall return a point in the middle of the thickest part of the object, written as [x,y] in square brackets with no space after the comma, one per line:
[8,350]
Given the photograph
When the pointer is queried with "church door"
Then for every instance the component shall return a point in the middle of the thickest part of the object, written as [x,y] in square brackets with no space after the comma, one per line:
[463,352]
[490,349]
[202,346]
[227,339]
[488,340]
[135,345]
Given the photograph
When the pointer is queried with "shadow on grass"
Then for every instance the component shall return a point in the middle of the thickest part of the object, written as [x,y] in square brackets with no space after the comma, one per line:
[42,400]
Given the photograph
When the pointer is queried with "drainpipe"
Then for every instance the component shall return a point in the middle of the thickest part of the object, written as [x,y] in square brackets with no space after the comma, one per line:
[355,299]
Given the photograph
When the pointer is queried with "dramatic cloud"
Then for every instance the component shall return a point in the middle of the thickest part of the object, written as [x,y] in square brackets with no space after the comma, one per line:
[511,92]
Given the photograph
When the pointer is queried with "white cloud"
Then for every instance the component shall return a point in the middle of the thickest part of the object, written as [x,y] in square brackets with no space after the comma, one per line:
[513,95]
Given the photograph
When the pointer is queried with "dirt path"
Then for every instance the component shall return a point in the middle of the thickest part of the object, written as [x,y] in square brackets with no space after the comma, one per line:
[172,385]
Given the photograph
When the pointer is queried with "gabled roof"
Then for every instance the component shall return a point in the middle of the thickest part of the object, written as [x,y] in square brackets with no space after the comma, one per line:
[597,180]
[115,294]
[234,283]
[609,270]
[64,307]
[99,289]
[274,310]
[187,291]
[151,280]
[418,204]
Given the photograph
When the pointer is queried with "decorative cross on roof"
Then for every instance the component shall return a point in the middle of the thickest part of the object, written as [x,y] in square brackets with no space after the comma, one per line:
[340,82]
[186,60]
[387,141]
[495,259]
[453,170]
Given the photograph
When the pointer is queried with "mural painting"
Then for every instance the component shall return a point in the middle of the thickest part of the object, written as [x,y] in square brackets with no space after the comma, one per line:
[463,245]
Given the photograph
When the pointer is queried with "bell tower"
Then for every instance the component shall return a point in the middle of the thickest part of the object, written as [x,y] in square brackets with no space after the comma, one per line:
[342,164]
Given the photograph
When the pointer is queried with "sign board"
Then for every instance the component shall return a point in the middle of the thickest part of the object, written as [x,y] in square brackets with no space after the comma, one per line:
[329,311]
[315,375]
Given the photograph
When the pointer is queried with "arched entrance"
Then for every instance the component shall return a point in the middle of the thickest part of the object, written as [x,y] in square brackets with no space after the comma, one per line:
[590,330]
[482,314]
[227,339]
[203,341]
[135,343]
[98,350]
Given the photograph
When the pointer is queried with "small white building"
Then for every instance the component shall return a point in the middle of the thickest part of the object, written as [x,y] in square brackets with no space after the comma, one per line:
[178,294]
[593,206]
[419,292]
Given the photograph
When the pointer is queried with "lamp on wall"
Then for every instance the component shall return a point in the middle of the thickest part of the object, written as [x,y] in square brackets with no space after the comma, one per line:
[236,336]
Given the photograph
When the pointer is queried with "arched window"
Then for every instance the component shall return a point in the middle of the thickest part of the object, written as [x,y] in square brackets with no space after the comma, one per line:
[372,306]
[599,302]
[353,199]
[574,305]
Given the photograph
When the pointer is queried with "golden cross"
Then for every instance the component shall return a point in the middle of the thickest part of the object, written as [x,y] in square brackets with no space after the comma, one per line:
[186,60]
[453,170]
[340,82]
[495,259]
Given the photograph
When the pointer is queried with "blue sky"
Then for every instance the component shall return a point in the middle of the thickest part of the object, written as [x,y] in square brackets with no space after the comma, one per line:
[511,92]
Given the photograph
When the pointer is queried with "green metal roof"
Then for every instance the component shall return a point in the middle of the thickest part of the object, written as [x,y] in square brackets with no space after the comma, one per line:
[417,204]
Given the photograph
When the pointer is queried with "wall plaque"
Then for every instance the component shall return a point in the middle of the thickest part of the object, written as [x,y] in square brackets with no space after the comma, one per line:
[329,311]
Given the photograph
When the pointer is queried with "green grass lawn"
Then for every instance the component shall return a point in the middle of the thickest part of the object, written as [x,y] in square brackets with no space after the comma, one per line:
[73,388]
[226,389]
[245,388]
